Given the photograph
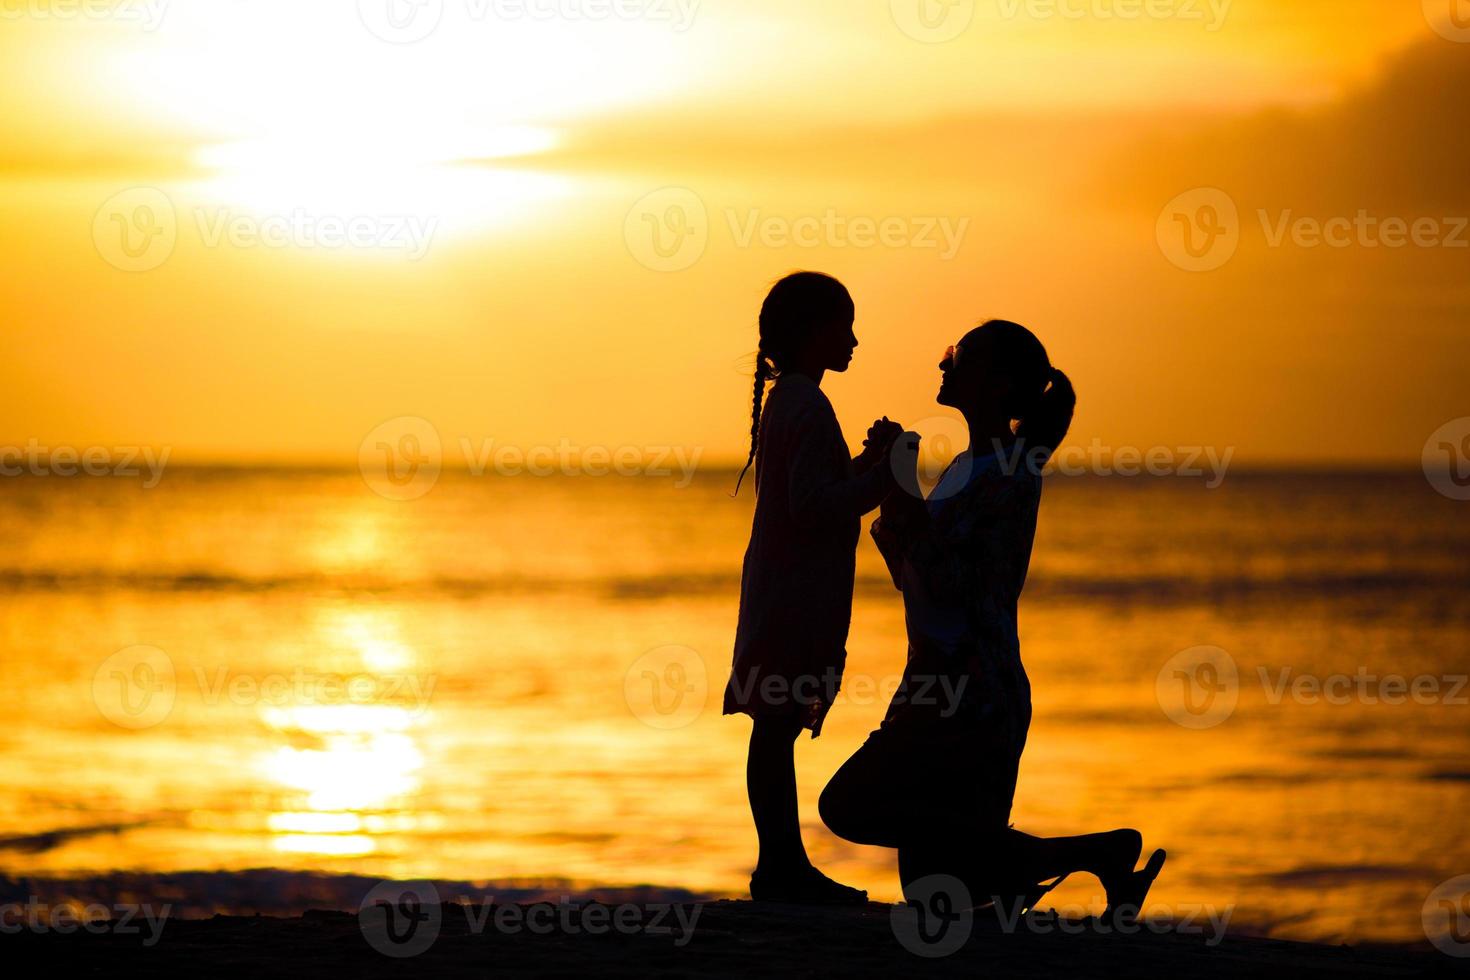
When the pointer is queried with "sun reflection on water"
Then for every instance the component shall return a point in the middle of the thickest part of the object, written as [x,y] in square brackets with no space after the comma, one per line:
[364,763]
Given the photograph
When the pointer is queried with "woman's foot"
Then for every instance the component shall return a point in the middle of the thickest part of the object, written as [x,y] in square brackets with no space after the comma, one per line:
[1116,856]
[804,886]
[1127,895]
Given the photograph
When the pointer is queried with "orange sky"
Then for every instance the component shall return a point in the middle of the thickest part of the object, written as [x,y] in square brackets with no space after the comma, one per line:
[504,283]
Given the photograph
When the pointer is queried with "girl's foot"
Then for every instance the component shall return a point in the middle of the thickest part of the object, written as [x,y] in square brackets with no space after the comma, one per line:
[806,886]
[1126,896]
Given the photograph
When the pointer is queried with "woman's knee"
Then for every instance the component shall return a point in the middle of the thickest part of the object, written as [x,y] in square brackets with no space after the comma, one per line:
[839,811]
[854,806]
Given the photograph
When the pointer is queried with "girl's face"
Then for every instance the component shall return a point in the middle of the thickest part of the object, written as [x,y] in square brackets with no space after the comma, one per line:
[832,344]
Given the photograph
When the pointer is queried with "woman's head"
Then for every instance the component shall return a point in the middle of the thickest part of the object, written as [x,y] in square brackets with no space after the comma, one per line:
[805,326]
[1000,370]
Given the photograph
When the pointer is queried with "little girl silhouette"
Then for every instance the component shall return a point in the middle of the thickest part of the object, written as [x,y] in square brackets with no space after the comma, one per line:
[796,586]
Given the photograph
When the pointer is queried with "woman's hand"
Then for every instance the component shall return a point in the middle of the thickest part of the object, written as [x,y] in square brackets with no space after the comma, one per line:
[906,502]
[905,458]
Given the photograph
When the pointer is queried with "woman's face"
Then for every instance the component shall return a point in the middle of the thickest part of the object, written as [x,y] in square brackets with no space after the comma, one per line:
[957,374]
[966,379]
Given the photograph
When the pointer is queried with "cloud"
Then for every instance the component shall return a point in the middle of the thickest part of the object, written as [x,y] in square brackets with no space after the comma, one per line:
[1398,144]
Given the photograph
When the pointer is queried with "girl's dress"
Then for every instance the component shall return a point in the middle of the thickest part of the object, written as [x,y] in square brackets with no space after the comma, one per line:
[796,586]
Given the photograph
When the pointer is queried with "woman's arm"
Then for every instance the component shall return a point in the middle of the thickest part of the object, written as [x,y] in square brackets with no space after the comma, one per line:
[903,511]
[981,553]
[891,548]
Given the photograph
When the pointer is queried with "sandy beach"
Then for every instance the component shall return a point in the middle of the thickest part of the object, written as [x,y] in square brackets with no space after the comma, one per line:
[724,938]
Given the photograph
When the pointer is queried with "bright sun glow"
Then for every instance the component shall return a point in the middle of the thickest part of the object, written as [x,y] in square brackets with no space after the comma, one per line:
[300,106]
[366,761]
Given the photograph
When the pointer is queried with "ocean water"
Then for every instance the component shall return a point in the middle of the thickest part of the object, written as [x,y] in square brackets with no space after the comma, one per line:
[519,678]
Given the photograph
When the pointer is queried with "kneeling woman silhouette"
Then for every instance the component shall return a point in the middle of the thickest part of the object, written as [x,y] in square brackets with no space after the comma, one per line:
[937,779]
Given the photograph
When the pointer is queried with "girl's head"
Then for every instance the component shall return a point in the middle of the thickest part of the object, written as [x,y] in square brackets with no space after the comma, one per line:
[1000,370]
[805,326]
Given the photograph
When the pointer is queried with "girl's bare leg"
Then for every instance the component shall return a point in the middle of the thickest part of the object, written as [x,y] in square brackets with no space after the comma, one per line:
[770,780]
[783,871]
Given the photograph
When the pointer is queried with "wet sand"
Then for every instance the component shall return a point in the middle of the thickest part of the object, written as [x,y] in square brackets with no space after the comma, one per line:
[718,939]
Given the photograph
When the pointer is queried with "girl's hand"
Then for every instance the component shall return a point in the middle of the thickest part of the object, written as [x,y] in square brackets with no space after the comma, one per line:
[881,436]
[882,432]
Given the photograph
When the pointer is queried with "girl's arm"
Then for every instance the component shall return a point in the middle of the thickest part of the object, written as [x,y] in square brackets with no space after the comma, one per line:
[818,493]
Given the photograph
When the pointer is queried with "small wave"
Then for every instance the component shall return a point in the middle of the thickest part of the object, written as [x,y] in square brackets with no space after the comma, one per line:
[1337,876]
[1448,776]
[1204,589]
[272,891]
[52,839]
[1155,589]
